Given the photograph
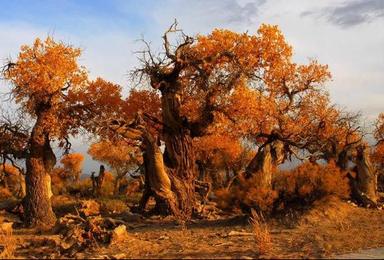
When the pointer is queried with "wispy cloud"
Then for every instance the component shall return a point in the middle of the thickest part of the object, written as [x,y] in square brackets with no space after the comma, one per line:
[201,16]
[351,13]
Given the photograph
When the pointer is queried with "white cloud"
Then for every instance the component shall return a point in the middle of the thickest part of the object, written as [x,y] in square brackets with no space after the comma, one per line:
[355,54]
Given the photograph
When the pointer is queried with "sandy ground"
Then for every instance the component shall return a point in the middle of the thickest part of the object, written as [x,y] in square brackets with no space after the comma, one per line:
[331,228]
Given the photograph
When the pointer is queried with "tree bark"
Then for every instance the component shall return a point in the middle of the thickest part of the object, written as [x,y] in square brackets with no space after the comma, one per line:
[116,188]
[366,179]
[169,177]
[38,208]
[179,157]
[264,163]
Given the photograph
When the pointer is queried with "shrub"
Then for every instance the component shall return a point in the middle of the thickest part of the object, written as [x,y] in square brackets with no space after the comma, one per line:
[246,195]
[261,231]
[309,182]
[113,206]
[83,188]
[7,241]
[108,187]
[304,185]
[58,181]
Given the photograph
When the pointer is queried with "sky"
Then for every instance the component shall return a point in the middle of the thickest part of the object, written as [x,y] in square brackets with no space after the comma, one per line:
[348,35]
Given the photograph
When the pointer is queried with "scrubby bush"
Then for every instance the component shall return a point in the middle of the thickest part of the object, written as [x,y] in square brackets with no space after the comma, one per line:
[246,195]
[7,241]
[113,206]
[58,180]
[303,185]
[309,182]
[12,181]
[83,188]
[261,232]
[108,186]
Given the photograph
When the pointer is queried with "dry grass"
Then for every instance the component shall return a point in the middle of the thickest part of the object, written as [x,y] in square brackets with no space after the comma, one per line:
[113,206]
[7,241]
[262,234]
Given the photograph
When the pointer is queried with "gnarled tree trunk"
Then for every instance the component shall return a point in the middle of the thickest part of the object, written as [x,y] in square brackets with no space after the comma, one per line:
[264,163]
[366,178]
[179,156]
[37,203]
[169,177]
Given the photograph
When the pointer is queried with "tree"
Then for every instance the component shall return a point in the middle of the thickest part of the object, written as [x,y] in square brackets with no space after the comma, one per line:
[40,76]
[73,164]
[13,179]
[52,89]
[215,154]
[378,152]
[196,79]
[120,156]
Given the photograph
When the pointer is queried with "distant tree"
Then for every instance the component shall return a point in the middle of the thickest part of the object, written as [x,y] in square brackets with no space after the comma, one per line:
[120,156]
[73,164]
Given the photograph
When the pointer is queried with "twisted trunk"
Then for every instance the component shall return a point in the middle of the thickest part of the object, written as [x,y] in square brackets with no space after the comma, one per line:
[179,157]
[169,177]
[366,179]
[38,208]
[263,165]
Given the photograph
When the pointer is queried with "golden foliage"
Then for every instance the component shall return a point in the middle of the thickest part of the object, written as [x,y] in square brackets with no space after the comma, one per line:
[14,180]
[119,155]
[304,184]
[246,193]
[43,69]
[217,150]
[73,162]
[7,241]
[93,104]
[146,101]
[9,169]
[309,182]
[108,184]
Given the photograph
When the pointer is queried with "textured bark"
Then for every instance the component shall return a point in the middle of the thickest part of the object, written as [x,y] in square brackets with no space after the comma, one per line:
[158,182]
[37,203]
[179,157]
[366,179]
[264,163]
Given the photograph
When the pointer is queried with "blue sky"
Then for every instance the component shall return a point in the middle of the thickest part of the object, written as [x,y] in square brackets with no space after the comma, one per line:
[346,34]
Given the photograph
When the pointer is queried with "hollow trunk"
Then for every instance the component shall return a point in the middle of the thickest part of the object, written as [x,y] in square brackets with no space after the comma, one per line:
[38,208]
